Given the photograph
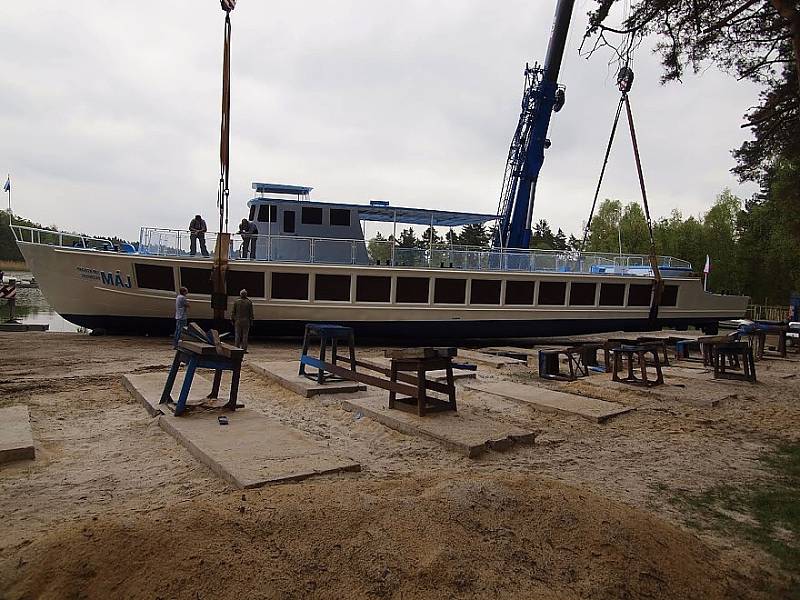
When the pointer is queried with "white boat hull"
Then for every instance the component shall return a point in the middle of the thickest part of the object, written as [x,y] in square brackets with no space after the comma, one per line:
[101,290]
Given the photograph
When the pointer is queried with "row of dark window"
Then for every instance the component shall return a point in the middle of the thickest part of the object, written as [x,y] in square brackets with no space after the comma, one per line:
[309,215]
[410,290]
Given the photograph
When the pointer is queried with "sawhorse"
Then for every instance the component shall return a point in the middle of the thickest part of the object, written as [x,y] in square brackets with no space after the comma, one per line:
[328,335]
[202,356]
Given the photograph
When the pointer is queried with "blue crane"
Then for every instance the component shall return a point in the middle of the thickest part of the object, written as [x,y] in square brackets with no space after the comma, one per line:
[541,97]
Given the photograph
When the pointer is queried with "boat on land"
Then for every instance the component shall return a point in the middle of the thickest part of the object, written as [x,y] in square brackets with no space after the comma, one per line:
[312,263]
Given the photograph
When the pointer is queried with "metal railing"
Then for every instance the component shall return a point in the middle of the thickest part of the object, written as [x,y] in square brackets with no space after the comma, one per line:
[760,312]
[177,243]
[48,237]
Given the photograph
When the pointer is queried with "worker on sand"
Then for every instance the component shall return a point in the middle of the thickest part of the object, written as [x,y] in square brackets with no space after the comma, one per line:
[197,231]
[242,317]
[181,314]
[249,232]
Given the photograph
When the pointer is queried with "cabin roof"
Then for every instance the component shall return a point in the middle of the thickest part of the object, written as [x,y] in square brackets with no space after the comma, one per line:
[390,214]
[280,188]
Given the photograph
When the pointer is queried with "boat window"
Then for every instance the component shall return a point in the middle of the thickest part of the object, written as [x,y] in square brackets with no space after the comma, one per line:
[412,290]
[582,294]
[252,281]
[334,288]
[449,291]
[373,289]
[639,294]
[198,281]
[252,213]
[288,221]
[485,291]
[266,213]
[519,293]
[612,294]
[670,296]
[552,293]
[340,217]
[290,286]
[154,277]
[311,215]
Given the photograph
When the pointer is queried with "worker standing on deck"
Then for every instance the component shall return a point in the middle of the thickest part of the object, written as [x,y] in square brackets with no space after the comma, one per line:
[197,231]
[242,317]
[249,232]
[181,314]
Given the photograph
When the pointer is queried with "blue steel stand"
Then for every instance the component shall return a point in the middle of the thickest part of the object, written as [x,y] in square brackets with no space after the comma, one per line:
[195,361]
[328,335]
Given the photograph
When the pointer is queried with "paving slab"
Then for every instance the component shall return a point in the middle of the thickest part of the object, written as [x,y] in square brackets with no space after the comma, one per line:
[465,431]
[16,439]
[490,360]
[251,451]
[670,391]
[285,374]
[511,351]
[552,400]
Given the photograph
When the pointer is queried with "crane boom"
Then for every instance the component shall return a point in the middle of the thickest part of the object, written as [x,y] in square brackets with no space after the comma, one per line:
[541,97]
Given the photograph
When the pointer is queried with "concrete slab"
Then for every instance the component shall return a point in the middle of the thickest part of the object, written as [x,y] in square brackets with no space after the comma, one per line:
[465,431]
[670,391]
[285,374]
[16,439]
[251,451]
[490,360]
[553,401]
[511,351]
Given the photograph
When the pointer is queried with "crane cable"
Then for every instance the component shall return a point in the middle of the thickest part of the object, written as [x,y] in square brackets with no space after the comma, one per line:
[225,125]
[625,82]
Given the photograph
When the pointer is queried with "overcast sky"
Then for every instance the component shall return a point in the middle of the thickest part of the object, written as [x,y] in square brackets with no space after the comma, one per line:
[109,111]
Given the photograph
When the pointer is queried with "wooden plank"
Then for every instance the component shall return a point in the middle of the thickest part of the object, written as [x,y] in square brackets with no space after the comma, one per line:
[197,347]
[428,352]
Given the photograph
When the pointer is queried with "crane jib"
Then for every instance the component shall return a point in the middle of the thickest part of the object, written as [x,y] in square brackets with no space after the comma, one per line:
[526,155]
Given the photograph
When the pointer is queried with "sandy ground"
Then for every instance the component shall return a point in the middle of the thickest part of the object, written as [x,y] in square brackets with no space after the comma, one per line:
[114,507]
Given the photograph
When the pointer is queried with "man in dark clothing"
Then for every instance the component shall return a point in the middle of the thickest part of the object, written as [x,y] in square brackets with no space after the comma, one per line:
[197,231]
[249,232]
[242,317]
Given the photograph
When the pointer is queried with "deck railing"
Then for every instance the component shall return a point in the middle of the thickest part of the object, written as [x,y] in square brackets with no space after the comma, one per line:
[177,244]
[48,237]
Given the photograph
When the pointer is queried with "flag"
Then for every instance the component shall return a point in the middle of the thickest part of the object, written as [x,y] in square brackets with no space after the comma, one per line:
[707,268]
[7,186]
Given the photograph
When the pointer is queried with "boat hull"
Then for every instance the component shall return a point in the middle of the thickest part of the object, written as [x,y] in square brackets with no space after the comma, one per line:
[109,291]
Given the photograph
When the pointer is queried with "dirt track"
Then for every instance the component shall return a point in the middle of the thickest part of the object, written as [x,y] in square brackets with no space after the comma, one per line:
[113,507]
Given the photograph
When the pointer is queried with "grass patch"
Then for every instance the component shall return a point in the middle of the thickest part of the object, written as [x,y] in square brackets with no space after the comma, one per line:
[765,512]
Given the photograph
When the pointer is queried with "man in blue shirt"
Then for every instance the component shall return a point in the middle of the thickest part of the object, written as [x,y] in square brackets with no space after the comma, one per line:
[181,314]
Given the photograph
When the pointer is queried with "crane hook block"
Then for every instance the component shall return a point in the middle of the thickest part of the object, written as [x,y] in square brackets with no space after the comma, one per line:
[561,99]
[625,79]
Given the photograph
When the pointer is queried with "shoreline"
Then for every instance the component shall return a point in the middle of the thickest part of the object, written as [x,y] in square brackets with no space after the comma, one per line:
[13,265]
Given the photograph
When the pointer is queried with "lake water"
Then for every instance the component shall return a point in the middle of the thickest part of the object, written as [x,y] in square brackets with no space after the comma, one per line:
[32,307]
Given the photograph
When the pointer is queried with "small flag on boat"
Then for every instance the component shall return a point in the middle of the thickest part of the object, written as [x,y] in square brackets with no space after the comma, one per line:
[707,268]
[7,186]
[228,5]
